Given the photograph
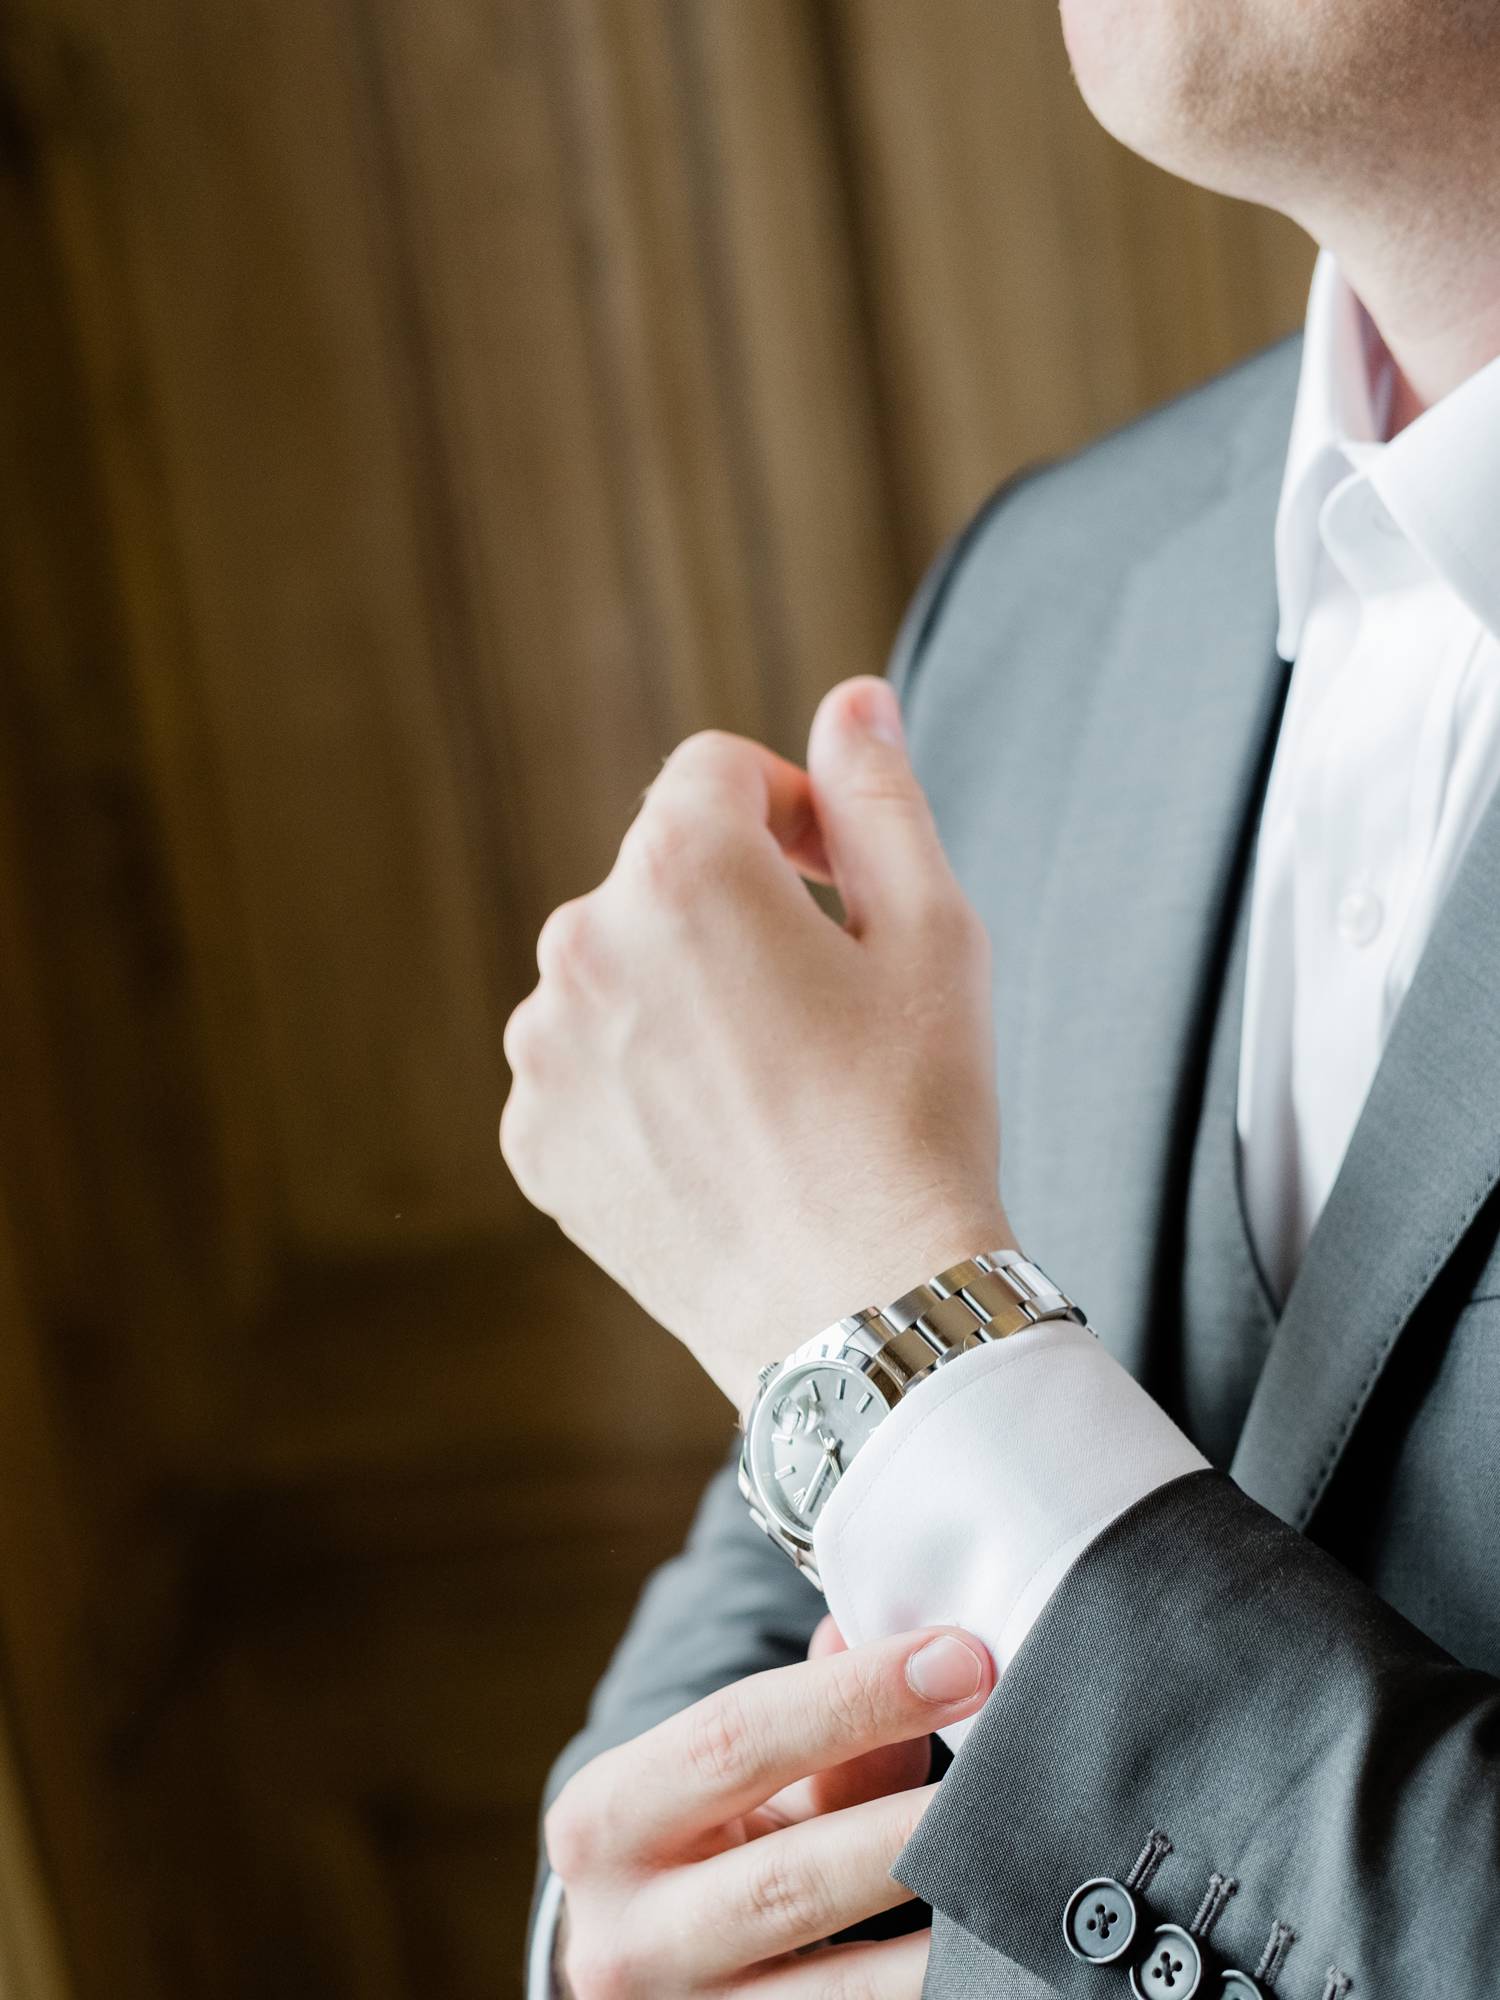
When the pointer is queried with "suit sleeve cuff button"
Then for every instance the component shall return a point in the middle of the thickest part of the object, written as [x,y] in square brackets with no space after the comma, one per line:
[1100,1921]
[1171,1967]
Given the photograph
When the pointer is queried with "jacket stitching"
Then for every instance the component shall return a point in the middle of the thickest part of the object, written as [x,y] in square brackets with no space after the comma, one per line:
[1278,1944]
[1220,1889]
[1150,1858]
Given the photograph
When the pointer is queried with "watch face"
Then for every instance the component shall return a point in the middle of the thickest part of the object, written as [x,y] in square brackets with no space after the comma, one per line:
[806,1433]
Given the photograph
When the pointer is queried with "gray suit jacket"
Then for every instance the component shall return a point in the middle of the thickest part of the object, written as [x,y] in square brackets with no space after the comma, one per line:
[1287,1667]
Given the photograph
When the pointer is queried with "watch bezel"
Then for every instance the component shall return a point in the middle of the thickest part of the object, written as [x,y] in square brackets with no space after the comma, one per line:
[831,1350]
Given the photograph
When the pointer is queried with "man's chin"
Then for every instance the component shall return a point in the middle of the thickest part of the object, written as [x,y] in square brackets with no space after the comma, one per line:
[1160,98]
[1114,47]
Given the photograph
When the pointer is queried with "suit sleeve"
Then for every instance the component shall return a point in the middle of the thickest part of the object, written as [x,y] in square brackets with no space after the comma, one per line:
[1208,1674]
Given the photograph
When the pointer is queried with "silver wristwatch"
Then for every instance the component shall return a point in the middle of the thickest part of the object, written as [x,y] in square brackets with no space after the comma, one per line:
[812,1412]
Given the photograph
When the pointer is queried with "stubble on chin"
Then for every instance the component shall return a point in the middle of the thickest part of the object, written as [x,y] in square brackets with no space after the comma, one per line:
[1291,102]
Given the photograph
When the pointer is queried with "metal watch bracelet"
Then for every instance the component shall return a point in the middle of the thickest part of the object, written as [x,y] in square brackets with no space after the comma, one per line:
[982,1299]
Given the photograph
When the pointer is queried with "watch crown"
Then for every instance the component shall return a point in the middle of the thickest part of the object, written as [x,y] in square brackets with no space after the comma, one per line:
[766,1373]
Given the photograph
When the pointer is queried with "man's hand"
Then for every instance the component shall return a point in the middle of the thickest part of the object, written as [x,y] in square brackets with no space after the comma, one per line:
[755,1119]
[703,1856]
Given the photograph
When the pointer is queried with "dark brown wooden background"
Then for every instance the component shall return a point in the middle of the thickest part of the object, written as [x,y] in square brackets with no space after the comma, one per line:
[418,414]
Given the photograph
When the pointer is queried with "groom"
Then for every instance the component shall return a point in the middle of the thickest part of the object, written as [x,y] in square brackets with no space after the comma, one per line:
[1192,820]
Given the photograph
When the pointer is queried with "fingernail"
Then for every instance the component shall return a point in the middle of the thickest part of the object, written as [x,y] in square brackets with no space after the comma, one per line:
[878,712]
[945,1670]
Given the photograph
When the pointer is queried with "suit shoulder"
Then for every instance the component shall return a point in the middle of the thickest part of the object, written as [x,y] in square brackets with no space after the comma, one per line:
[1042,562]
[1009,631]
[1116,498]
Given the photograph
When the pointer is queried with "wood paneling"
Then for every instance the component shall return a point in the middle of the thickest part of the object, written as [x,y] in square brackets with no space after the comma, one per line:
[415,418]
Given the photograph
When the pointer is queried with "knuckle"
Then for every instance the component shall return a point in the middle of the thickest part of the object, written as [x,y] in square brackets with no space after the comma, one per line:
[569,1832]
[565,945]
[688,838]
[590,1828]
[853,1701]
[600,1971]
[512,1133]
[718,1745]
[667,845]
[708,753]
[887,782]
[521,1042]
[787,1901]
[849,1981]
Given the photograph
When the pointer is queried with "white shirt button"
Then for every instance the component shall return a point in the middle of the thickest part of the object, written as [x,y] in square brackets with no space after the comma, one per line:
[1359,916]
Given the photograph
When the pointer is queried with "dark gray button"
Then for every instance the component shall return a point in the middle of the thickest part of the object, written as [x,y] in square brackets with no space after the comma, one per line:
[1099,1921]
[1240,1986]
[1170,1967]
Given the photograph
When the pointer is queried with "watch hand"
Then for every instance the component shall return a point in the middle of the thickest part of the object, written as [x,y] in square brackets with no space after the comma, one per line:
[817,1482]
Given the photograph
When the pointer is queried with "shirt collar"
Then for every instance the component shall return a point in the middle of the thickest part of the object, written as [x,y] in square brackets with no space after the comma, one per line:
[1439,479]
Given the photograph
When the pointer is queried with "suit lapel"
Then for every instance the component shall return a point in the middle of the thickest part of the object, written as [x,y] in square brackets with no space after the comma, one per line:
[1132,922]
[1134,926]
[1424,1158]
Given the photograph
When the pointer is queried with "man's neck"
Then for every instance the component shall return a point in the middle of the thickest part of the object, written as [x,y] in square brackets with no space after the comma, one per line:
[1406,404]
[1437,309]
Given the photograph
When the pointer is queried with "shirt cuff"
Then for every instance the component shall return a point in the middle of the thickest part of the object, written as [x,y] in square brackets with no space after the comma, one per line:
[541,1977]
[975,1497]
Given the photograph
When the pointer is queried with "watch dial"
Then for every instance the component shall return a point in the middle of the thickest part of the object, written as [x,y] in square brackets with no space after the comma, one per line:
[806,1433]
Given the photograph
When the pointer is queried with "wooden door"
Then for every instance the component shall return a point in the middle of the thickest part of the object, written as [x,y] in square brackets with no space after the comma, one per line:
[418,414]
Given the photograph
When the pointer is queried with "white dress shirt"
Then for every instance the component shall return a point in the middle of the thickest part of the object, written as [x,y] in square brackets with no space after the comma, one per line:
[1388,566]
[972,1501]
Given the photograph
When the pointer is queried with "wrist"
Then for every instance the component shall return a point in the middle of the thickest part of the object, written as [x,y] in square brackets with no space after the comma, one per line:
[873,1277]
[817,1409]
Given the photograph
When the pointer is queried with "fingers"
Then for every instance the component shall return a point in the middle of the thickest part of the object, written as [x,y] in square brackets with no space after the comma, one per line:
[895,1767]
[857,817]
[729,1752]
[776,1894]
[889,1971]
[887,861]
[715,777]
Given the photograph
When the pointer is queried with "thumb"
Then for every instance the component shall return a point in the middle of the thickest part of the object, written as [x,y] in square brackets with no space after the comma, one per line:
[882,846]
